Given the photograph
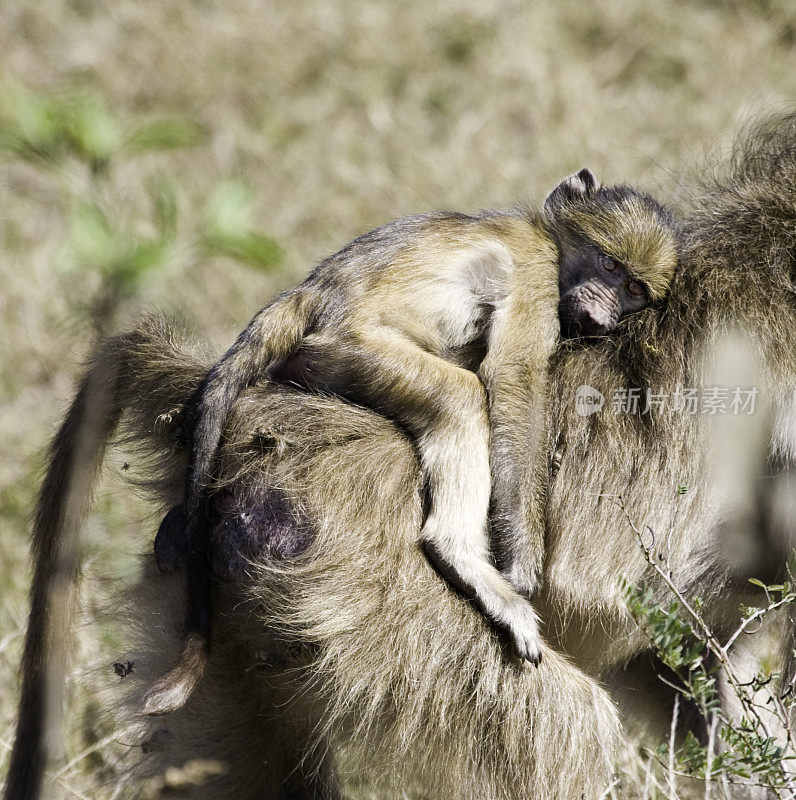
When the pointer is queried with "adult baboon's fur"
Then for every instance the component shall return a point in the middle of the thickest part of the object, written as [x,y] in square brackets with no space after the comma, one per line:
[444,323]
[344,651]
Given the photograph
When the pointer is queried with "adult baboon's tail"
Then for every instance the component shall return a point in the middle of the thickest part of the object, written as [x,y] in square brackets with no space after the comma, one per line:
[75,458]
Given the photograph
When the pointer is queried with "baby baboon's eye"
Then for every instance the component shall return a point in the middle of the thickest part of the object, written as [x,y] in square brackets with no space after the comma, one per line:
[634,288]
[608,263]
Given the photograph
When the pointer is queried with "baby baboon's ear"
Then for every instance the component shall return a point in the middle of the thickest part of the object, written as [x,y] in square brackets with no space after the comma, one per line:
[582,183]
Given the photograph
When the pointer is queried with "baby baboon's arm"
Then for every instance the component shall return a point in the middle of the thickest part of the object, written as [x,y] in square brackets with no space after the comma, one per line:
[515,371]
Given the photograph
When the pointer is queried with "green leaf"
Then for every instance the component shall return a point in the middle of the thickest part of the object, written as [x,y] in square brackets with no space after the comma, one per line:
[167,133]
[249,248]
[93,132]
[28,124]
[164,206]
[229,209]
[121,257]
[142,257]
[228,218]
[92,238]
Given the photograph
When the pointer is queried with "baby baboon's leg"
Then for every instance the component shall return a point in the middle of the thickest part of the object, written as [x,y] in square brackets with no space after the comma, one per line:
[444,407]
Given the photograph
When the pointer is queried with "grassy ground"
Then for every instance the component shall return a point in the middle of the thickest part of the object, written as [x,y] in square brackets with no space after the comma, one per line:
[341,115]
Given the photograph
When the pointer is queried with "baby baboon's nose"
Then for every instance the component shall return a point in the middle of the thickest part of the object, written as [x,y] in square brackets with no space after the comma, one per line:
[590,325]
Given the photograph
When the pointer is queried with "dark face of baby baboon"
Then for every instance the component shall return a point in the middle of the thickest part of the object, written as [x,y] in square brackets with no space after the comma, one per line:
[617,252]
[596,292]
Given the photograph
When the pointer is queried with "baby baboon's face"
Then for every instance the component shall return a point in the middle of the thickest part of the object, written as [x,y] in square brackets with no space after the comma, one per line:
[596,292]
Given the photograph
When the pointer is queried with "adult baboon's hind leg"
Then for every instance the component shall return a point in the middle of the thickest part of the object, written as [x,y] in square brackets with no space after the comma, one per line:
[244,733]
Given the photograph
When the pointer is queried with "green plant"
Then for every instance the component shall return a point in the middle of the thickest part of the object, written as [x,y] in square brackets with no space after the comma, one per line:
[74,136]
[754,748]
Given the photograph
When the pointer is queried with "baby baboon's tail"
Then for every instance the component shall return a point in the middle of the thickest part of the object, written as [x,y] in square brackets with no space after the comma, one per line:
[268,339]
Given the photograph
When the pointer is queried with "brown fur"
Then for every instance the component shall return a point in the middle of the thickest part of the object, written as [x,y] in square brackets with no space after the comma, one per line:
[368,657]
[410,683]
[388,321]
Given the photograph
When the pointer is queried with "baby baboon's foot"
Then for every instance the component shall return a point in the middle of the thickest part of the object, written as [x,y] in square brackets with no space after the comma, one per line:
[522,626]
[169,542]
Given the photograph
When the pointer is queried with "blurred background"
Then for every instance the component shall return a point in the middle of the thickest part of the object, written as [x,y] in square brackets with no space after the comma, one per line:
[196,157]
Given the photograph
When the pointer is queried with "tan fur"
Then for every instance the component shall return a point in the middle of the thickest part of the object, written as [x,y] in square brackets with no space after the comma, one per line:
[261,709]
[384,670]
[391,321]
[385,321]
[412,708]
[411,686]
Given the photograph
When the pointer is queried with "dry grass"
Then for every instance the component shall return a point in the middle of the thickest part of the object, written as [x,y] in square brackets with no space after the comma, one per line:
[343,115]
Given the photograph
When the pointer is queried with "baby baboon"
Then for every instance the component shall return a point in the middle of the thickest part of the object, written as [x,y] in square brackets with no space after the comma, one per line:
[409,319]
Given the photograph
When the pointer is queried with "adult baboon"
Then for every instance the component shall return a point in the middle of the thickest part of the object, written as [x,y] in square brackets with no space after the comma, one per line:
[445,324]
[350,652]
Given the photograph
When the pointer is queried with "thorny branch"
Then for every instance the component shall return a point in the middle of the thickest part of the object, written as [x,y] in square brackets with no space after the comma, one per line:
[703,633]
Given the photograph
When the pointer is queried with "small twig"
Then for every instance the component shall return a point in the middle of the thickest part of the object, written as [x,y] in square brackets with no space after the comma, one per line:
[757,615]
[647,777]
[609,790]
[672,732]
[651,780]
[718,778]
[704,634]
[710,753]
